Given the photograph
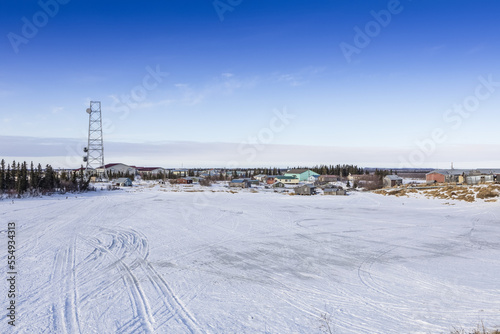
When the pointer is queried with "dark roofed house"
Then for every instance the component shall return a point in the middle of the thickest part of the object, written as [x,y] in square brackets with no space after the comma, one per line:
[392,181]
[328,178]
[334,191]
[249,180]
[239,183]
[306,189]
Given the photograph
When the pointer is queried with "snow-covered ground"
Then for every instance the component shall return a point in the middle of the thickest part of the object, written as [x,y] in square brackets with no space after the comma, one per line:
[146,260]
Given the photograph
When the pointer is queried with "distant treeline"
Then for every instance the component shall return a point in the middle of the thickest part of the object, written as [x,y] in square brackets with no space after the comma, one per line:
[16,179]
[341,170]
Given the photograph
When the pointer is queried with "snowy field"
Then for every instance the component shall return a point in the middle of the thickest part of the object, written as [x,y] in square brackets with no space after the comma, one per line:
[148,261]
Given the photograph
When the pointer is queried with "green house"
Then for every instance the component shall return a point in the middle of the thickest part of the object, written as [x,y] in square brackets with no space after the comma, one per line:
[302,174]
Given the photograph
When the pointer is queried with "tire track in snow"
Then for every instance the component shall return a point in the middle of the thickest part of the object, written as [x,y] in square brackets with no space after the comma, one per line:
[162,287]
[65,311]
[365,269]
[58,323]
[136,293]
[140,252]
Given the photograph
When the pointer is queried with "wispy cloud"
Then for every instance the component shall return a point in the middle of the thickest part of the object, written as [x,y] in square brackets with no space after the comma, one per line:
[57,110]
[186,94]
[433,50]
[476,49]
[298,78]
[117,104]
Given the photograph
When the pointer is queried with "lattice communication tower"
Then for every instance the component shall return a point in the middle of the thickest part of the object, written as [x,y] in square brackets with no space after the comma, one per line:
[95,147]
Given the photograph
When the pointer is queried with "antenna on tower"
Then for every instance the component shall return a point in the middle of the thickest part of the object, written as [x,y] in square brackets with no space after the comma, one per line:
[95,145]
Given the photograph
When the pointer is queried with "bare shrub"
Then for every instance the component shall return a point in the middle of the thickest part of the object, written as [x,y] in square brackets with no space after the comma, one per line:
[205,182]
[487,192]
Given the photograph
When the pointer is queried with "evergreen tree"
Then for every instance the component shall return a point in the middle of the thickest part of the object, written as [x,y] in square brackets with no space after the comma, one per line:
[74,181]
[64,176]
[2,176]
[48,181]
[13,176]
[38,176]
[22,179]
[82,184]
[32,176]
[8,185]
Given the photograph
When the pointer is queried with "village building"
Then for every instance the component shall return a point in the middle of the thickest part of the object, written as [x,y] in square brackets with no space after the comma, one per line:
[260,177]
[116,168]
[150,171]
[392,181]
[468,176]
[185,180]
[123,182]
[270,179]
[302,174]
[196,179]
[328,178]
[334,191]
[239,183]
[477,177]
[306,189]
[445,175]
[287,179]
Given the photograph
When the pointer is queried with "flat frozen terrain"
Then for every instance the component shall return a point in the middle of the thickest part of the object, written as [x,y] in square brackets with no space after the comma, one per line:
[150,261]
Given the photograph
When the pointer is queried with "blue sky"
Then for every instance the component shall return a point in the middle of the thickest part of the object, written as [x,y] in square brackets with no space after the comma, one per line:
[224,69]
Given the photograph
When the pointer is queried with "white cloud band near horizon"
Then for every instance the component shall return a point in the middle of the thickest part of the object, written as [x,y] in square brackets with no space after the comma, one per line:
[68,153]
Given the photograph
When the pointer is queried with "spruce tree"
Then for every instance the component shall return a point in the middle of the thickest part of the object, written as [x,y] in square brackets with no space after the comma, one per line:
[8,185]
[49,178]
[39,175]
[13,175]
[2,176]
[32,176]
[74,182]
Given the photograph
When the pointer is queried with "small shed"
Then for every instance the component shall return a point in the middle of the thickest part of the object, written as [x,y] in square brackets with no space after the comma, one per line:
[123,182]
[240,183]
[334,191]
[392,181]
[278,185]
[306,189]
